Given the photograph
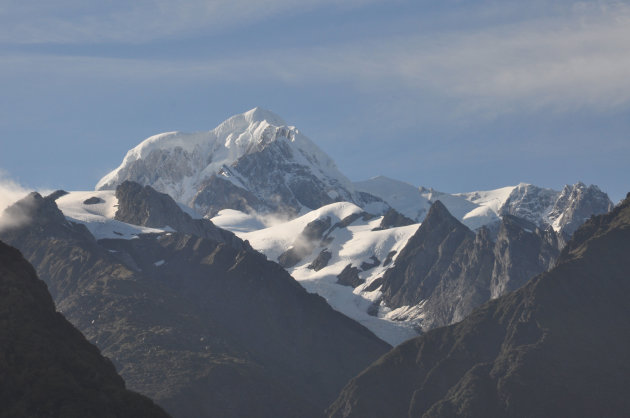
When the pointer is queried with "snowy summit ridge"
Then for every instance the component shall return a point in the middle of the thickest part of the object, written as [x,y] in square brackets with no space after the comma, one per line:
[253,160]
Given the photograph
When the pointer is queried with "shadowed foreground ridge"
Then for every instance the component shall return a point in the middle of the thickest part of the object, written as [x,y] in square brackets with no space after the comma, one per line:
[196,320]
[559,346]
[47,368]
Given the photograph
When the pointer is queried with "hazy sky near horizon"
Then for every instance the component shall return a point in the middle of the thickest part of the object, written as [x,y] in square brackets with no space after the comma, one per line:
[454,95]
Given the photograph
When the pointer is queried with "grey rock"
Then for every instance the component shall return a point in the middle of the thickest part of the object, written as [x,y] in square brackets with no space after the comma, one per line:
[93,201]
[576,204]
[142,205]
[57,194]
[448,270]
[321,260]
[389,258]
[365,266]
[392,219]
[305,243]
[218,193]
[349,276]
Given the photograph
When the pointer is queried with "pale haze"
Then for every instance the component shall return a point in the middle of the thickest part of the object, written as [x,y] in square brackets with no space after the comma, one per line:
[449,95]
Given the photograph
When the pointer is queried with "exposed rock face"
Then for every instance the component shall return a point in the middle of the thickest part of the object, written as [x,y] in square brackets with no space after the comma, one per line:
[92,201]
[529,202]
[389,258]
[205,327]
[428,253]
[142,205]
[49,368]
[565,210]
[556,347]
[349,276]
[305,243]
[446,270]
[575,205]
[374,262]
[321,261]
[218,193]
[522,250]
[393,218]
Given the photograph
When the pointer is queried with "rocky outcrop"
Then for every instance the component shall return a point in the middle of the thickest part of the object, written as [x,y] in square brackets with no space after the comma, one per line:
[446,270]
[575,205]
[217,193]
[93,201]
[428,253]
[142,205]
[522,250]
[305,243]
[321,260]
[49,368]
[556,347]
[204,327]
[374,262]
[392,219]
[349,276]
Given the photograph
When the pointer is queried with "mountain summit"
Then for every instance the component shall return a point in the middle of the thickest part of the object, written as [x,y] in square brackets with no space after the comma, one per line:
[251,161]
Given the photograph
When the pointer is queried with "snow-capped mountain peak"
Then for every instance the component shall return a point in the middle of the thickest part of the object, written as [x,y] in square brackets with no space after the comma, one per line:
[251,161]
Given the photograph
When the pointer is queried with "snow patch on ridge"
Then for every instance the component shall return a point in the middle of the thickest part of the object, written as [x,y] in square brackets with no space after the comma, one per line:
[99,217]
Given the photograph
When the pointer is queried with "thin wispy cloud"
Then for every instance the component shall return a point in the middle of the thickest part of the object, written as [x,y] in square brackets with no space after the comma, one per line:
[74,21]
[578,60]
[10,192]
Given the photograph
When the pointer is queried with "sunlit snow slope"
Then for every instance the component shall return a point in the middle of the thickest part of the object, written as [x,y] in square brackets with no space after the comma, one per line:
[253,161]
[353,245]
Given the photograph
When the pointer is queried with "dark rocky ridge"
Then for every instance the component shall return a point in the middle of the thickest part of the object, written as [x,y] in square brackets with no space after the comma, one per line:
[142,205]
[556,347]
[393,218]
[205,327]
[47,367]
[321,260]
[450,270]
[349,276]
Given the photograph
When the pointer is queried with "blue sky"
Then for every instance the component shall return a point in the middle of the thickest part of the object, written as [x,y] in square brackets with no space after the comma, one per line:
[454,95]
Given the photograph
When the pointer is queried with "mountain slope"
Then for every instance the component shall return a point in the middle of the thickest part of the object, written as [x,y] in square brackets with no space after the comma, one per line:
[47,367]
[556,347]
[564,210]
[445,270]
[251,162]
[352,239]
[198,320]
